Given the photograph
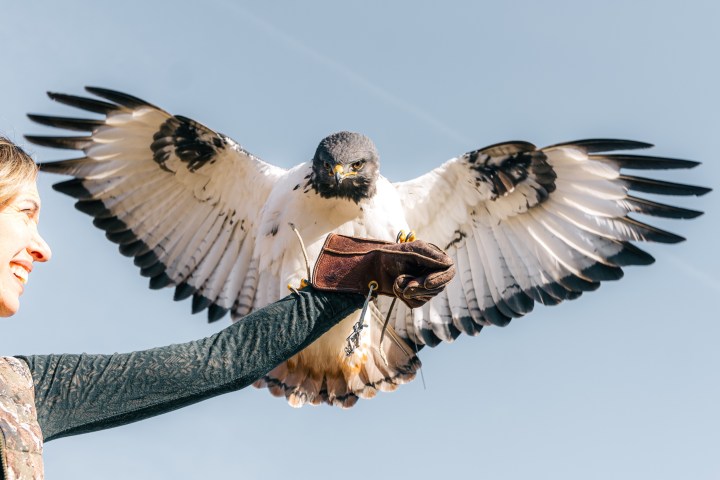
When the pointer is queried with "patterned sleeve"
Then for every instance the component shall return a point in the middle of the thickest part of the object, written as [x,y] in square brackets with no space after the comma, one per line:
[83,393]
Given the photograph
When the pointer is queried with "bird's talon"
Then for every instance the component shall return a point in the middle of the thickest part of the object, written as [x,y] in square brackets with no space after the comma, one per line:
[303,283]
[403,236]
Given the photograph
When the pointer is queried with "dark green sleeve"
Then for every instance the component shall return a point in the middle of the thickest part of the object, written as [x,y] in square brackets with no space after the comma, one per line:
[83,393]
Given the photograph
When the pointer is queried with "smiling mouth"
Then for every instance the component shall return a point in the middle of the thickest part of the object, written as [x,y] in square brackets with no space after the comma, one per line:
[20,273]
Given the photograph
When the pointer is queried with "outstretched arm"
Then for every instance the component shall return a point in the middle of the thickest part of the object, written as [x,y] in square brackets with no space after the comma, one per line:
[83,393]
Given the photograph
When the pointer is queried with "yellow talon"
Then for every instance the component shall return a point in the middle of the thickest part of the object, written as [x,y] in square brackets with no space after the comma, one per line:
[404,236]
[303,283]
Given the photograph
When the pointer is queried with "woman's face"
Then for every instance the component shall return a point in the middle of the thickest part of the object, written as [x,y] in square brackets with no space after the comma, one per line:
[20,246]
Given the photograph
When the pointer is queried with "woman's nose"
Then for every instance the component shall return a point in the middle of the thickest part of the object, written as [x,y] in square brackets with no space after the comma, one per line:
[39,249]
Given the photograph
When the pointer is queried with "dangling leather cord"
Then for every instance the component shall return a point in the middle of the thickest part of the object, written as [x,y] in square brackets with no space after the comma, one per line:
[382,334]
[353,339]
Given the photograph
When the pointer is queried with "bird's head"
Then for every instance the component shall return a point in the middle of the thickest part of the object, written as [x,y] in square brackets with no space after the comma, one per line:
[345,165]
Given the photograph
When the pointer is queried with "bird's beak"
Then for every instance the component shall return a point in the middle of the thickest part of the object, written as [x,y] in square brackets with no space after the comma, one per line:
[339,174]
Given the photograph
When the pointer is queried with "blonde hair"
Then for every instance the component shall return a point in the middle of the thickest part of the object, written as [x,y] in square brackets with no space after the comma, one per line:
[17,168]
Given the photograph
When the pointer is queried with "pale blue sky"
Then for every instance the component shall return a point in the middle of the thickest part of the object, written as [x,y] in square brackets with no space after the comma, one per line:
[622,383]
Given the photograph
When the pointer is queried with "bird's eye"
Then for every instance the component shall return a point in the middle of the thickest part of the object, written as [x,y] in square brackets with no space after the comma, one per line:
[357,165]
[327,166]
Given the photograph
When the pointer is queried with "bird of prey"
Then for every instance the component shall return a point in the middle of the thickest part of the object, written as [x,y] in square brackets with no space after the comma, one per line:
[197,211]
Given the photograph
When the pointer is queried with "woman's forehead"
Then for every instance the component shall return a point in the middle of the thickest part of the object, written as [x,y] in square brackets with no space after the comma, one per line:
[28,191]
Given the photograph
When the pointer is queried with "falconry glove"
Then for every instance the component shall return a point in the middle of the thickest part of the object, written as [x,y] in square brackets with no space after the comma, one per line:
[414,271]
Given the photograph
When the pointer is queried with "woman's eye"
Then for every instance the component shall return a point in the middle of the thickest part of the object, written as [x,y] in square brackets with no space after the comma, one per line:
[30,213]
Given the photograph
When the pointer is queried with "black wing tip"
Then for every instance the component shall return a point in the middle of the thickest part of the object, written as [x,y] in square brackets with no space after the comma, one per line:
[649,185]
[517,304]
[62,167]
[602,273]
[685,162]
[118,97]
[94,208]
[77,124]
[469,326]
[55,95]
[200,302]
[593,145]
[38,118]
[542,297]
[152,270]
[574,285]
[429,337]
[84,103]
[145,259]
[160,281]
[74,188]
[63,97]
[631,255]
[645,162]
[668,237]
[663,236]
[133,249]
[110,224]
[702,191]
[183,291]
[122,237]
[216,312]
[95,90]
[648,207]
[495,316]
[59,95]
[649,233]
[65,143]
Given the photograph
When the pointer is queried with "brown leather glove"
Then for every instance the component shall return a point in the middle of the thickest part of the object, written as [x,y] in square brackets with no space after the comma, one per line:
[414,272]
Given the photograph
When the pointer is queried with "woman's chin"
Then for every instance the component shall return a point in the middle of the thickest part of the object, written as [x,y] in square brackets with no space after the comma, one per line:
[9,307]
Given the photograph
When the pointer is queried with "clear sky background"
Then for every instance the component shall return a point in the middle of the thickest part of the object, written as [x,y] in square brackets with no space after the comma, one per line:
[622,383]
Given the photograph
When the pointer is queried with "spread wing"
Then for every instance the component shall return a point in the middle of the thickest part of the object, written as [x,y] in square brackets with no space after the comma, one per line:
[180,198]
[527,225]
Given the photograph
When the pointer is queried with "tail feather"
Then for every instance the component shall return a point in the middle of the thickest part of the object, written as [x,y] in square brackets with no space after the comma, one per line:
[323,373]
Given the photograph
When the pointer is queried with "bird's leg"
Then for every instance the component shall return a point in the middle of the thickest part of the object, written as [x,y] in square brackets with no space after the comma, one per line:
[403,236]
[304,282]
